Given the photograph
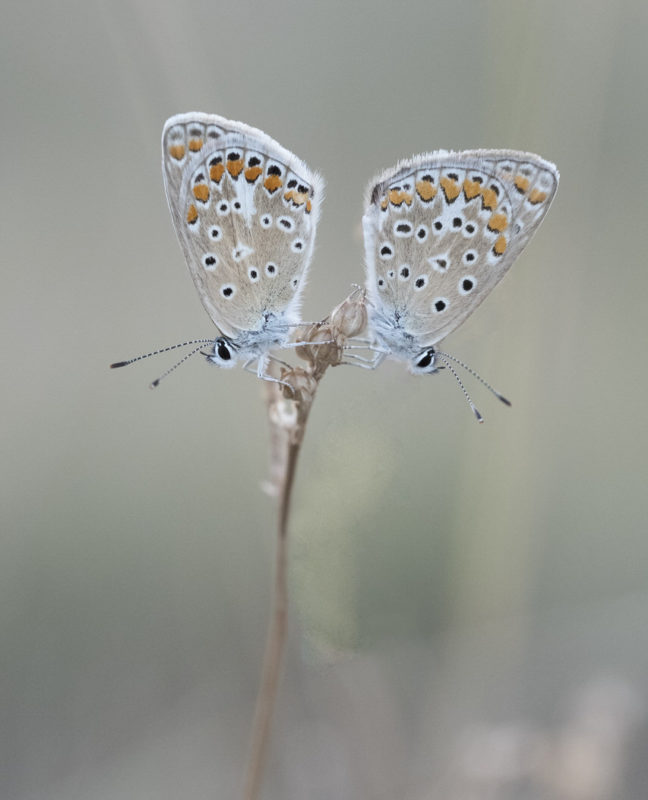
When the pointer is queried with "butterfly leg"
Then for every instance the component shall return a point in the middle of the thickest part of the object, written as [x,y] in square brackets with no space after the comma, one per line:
[357,342]
[279,361]
[363,363]
[308,344]
[261,372]
[376,359]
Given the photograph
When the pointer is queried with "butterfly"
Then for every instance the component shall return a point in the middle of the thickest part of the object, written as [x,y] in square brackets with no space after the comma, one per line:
[441,229]
[245,212]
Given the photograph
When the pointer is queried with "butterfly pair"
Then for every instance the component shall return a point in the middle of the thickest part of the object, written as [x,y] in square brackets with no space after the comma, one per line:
[440,230]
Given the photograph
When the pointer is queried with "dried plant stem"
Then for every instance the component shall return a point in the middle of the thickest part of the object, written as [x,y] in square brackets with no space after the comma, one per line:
[275,643]
[288,411]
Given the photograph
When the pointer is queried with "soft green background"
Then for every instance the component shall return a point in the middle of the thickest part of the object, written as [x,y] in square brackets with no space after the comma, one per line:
[469,603]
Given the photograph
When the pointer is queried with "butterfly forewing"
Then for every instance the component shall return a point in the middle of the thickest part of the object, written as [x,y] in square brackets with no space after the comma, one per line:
[441,229]
[245,211]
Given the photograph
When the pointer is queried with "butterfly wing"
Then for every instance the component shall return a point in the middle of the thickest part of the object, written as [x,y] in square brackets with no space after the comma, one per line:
[245,211]
[441,230]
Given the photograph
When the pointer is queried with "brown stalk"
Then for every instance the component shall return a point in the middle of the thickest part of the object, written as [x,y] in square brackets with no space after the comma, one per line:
[288,412]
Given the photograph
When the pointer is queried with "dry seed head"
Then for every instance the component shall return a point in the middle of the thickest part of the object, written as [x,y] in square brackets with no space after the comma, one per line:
[307,333]
[349,319]
[301,385]
[326,350]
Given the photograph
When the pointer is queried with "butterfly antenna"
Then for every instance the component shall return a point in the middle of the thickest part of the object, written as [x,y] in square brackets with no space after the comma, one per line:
[478,376]
[193,352]
[463,388]
[157,352]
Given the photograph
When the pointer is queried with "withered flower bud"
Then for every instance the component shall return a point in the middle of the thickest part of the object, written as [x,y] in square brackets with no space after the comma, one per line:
[350,318]
[301,385]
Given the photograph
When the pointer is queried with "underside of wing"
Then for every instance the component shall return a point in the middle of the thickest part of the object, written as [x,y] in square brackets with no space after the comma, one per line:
[441,230]
[245,210]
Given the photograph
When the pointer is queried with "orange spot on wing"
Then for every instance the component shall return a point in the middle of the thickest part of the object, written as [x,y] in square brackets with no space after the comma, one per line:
[500,246]
[309,206]
[537,196]
[384,203]
[272,183]
[177,151]
[252,173]
[216,172]
[451,188]
[192,214]
[471,189]
[426,190]
[235,167]
[498,222]
[521,183]
[489,199]
[195,145]
[397,197]
[298,198]
[201,192]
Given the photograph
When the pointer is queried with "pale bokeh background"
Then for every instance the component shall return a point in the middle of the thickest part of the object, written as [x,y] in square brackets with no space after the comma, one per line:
[469,603]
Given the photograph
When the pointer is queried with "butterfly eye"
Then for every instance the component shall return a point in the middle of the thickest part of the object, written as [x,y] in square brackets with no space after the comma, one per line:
[223,350]
[426,360]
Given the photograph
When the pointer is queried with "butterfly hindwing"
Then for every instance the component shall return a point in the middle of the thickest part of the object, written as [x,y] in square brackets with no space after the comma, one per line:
[441,230]
[245,211]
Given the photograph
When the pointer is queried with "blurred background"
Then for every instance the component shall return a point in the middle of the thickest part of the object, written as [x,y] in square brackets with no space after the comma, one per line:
[469,603]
